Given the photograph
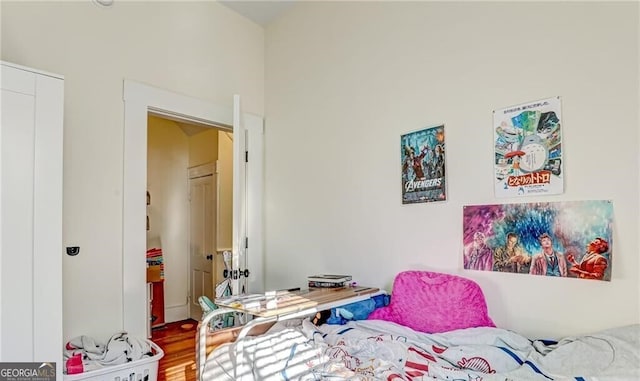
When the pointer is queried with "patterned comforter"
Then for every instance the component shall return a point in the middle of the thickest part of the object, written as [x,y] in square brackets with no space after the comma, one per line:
[380,350]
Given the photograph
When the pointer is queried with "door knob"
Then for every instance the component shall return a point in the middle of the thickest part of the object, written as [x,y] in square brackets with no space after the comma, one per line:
[210,257]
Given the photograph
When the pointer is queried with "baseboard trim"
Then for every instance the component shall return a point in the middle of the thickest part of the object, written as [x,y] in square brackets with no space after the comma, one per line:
[176,313]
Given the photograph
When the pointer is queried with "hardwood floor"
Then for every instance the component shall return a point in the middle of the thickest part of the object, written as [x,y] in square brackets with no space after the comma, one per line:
[177,340]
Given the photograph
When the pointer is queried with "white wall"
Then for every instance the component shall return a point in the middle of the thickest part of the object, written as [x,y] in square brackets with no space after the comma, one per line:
[345,79]
[167,182]
[203,147]
[200,49]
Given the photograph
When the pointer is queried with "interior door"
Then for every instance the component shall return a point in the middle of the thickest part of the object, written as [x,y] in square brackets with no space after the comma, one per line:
[239,227]
[31,216]
[18,133]
[202,211]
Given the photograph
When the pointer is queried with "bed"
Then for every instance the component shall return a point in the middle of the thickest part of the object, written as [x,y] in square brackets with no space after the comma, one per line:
[398,342]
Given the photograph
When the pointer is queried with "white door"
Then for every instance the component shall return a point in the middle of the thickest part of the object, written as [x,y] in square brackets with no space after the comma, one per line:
[202,212]
[31,216]
[248,260]
[239,232]
[17,236]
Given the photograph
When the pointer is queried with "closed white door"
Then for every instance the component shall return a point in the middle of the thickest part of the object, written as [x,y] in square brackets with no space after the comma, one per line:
[18,111]
[31,216]
[202,211]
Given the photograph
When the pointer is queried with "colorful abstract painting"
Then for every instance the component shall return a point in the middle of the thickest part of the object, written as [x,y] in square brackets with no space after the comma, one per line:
[567,239]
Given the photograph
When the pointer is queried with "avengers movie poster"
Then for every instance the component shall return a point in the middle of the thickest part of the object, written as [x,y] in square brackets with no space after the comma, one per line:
[571,239]
[528,149]
[423,166]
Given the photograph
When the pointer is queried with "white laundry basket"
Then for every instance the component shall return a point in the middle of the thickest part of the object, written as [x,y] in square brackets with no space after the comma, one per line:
[145,369]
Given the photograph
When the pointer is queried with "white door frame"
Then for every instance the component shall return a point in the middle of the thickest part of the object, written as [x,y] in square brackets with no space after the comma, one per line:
[139,99]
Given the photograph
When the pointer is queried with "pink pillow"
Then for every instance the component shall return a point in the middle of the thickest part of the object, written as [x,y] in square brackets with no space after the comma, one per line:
[435,302]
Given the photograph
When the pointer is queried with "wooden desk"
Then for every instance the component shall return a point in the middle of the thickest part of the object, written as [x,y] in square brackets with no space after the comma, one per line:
[288,302]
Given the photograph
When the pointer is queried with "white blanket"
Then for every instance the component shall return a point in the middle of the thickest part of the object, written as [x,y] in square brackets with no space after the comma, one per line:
[378,350]
[84,353]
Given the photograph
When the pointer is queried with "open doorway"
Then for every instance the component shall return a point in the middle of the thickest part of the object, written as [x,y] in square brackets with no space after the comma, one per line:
[248,180]
[189,212]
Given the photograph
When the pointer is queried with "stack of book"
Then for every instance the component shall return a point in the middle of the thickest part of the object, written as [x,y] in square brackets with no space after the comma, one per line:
[155,265]
[329,281]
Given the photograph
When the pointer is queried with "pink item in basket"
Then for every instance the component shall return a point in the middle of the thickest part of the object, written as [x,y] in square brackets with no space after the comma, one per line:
[434,302]
[74,364]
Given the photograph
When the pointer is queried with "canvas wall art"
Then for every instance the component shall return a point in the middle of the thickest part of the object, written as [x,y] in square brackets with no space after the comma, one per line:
[567,239]
[528,149]
[423,166]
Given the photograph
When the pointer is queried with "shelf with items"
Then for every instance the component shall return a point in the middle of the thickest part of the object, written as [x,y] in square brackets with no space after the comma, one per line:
[155,277]
[155,265]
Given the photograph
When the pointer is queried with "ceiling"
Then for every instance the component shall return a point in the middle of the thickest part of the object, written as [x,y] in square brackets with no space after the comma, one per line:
[261,12]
